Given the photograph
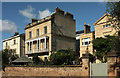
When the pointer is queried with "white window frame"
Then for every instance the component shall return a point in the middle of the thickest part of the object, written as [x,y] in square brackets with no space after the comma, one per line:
[84,40]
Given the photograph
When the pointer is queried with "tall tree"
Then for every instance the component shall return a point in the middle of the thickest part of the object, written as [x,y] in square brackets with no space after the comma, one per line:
[113,8]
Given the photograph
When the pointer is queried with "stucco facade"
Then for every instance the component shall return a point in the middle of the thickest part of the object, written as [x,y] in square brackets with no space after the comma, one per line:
[50,34]
[16,42]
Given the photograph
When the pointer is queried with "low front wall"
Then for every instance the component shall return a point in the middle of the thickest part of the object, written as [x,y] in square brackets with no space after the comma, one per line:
[45,71]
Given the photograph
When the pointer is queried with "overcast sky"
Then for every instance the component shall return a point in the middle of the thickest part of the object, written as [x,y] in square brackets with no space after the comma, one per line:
[16,15]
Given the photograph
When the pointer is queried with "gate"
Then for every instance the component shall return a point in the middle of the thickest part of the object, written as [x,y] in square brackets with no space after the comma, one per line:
[98,69]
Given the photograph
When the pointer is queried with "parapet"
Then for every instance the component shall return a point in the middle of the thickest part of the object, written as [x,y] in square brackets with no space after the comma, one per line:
[36,21]
[57,10]
[68,14]
[33,20]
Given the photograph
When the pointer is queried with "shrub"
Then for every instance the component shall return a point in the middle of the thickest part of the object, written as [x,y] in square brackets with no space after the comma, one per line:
[62,57]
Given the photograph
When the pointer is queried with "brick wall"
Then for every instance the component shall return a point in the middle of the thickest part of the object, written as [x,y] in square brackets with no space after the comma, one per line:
[45,71]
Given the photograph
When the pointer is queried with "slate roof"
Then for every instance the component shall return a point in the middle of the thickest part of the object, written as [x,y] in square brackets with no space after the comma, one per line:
[22,59]
[80,32]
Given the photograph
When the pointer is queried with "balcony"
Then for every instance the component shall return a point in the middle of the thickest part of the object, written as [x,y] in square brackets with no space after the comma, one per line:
[37,51]
[38,45]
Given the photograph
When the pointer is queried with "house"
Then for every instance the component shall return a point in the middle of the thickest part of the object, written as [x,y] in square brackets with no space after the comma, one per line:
[16,42]
[86,40]
[50,34]
[103,27]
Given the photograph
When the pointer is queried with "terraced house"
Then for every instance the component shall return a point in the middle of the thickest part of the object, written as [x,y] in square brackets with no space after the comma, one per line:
[50,34]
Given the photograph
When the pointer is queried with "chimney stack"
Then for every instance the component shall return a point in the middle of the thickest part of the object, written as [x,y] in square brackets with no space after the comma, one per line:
[16,33]
[86,28]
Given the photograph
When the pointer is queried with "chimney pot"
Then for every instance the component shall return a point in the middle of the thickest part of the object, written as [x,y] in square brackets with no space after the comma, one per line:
[16,33]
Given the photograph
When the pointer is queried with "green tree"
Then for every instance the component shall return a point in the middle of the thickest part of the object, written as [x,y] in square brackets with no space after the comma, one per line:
[62,57]
[8,55]
[102,47]
[115,44]
[113,8]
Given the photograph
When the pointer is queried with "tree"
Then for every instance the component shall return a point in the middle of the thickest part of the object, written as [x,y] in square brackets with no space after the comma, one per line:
[115,44]
[102,47]
[8,55]
[113,8]
[63,57]
[37,60]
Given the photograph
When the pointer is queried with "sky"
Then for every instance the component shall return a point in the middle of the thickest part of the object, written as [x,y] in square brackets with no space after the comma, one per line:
[16,15]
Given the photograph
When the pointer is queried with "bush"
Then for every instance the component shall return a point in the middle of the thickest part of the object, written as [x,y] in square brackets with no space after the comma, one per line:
[37,60]
[8,55]
[102,47]
[62,57]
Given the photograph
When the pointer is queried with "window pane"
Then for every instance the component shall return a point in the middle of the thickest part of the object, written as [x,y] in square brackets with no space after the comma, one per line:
[37,32]
[82,43]
[45,30]
[107,25]
[30,47]
[6,44]
[14,41]
[89,42]
[29,34]
[103,26]
[86,43]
